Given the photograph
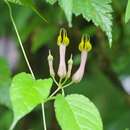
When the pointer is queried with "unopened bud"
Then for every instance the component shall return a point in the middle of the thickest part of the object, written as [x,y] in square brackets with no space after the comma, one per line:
[70,64]
[62,64]
[50,63]
[78,75]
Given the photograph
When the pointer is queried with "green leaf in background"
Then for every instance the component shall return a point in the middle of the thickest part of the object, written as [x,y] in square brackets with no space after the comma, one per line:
[41,37]
[99,11]
[67,6]
[51,1]
[127,14]
[28,3]
[5,75]
[77,112]
[26,93]
[4,71]
[22,2]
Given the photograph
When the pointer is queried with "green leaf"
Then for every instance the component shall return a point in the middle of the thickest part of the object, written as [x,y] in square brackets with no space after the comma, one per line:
[26,93]
[77,112]
[4,94]
[127,14]
[28,3]
[99,11]
[22,2]
[5,75]
[41,37]
[67,6]
[51,1]
[4,71]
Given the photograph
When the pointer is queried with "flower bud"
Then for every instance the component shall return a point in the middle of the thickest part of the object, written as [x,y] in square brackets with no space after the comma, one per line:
[70,64]
[50,63]
[84,46]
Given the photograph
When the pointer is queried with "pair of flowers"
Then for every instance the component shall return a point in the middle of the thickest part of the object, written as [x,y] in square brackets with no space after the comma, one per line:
[63,41]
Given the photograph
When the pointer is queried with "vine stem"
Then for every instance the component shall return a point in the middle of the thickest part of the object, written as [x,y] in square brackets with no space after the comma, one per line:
[12,126]
[27,61]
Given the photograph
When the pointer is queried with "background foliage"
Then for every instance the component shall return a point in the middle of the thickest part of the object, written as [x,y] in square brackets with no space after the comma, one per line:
[106,69]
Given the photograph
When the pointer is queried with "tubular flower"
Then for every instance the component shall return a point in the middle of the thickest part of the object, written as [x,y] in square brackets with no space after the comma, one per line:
[62,42]
[50,63]
[70,65]
[84,46]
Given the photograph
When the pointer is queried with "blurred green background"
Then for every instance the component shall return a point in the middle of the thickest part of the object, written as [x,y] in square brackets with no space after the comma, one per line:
[107,76]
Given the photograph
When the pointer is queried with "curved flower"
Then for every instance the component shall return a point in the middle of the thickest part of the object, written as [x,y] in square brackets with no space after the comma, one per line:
[84,46]
[62,42]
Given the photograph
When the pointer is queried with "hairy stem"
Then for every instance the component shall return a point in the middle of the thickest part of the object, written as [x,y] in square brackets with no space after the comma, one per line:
[26,59]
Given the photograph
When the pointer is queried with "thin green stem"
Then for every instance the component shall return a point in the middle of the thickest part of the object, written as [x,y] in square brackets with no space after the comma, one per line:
[55,81]
[68,84]
[60,80]
[26,59]
[54,92]
[64,81]
[44,117]
[59,89]
[63,92]
[13,125]
[60,84]
[19,39]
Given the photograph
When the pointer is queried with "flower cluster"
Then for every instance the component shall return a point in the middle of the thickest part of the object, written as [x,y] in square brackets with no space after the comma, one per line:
[63,72]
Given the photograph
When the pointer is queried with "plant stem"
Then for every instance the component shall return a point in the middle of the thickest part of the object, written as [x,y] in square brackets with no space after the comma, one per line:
[55,81]
[68,84]
[64,81]
[13,125]
[54,92]
[26,59]
[60,84]
[44,117]
[19,39]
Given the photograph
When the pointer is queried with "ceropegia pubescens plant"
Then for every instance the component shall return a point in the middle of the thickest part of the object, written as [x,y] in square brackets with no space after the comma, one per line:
[74,111]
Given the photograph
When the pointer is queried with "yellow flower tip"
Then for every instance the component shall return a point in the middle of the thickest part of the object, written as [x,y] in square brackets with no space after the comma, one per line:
[63,38]
[85,44]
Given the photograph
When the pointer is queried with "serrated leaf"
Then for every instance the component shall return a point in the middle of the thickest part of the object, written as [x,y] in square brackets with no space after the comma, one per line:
[99,11]
[127,14]
[67,6]
[51,1]
[26,93]
[77,112]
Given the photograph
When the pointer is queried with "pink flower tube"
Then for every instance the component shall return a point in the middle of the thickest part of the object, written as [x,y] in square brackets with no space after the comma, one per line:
[80,72]
[84,46]
[62,42]
[62,64]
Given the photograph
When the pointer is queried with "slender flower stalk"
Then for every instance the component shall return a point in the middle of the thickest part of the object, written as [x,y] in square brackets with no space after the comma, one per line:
[84,46]
[62,42]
